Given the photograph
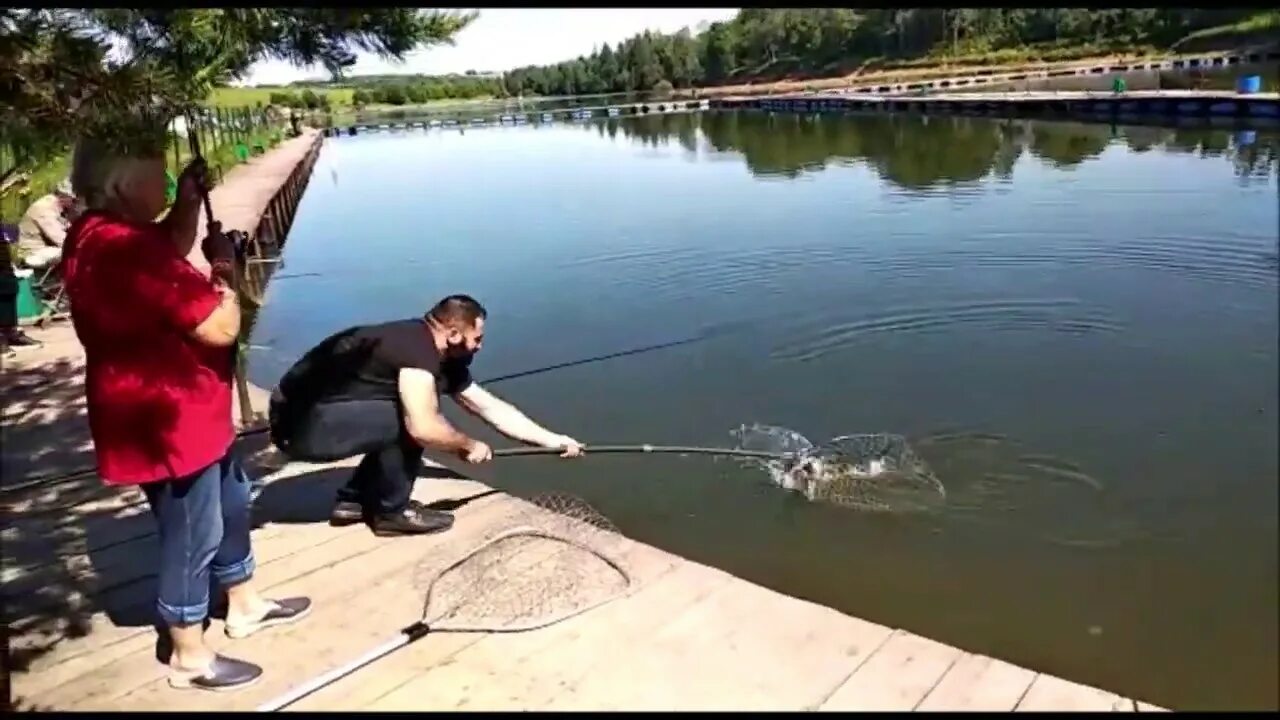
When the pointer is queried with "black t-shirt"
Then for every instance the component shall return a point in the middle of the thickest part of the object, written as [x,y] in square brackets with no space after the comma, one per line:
[364,363]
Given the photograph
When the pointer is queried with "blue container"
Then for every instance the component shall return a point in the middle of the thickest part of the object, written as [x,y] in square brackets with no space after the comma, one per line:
[1249,85]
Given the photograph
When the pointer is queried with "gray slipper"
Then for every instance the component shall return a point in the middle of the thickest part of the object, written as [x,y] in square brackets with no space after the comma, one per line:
[223,674]
[282,612]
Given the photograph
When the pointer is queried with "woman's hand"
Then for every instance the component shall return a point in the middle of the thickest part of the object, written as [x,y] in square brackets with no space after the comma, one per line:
[192,182]
[217,247]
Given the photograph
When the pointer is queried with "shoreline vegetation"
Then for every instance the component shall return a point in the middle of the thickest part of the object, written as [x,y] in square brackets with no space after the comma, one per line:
[763,51]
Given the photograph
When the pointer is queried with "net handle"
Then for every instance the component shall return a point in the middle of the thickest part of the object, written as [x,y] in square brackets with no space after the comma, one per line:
[421,628]
[647,449]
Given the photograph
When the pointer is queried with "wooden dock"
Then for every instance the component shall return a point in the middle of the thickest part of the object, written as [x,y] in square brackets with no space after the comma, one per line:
[688,637]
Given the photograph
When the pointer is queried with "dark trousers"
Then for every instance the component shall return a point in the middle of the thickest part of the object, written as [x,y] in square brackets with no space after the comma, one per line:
[204,524]
[330,431]
[8,292]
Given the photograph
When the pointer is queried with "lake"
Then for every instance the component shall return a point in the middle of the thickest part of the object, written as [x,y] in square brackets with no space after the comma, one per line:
[1075,325]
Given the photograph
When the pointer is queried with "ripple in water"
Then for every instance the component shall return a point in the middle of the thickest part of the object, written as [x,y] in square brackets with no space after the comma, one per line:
[1068,316]
[992,481]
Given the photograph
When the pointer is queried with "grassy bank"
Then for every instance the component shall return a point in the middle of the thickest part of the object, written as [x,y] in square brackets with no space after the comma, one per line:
[340,100]
[1261,29]
[886,70]
[219,151]
[228,97]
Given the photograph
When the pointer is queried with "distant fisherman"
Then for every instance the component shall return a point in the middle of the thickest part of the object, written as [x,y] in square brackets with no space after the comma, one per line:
[373,390]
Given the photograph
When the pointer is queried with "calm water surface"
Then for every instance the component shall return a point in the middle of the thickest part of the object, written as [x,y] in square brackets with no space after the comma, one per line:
[1075,325]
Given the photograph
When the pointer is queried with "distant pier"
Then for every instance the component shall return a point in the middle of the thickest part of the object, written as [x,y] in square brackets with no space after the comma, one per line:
[527,117]
[962,94]
[1259,107]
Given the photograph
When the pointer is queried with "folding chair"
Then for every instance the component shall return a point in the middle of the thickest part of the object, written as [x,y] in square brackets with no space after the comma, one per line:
[53,294]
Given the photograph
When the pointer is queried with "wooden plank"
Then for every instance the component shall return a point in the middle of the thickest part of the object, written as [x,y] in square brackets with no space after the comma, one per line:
[743,647]
[382,593]
[1052,693]
[897,676]
[978,682]
[518,671]
[130,594]
[96,669]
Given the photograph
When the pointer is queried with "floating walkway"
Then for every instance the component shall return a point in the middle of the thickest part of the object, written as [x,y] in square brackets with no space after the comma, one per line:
[521,118]
[1261,107]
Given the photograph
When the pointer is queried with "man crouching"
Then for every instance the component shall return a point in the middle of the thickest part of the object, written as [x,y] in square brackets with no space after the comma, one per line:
[373,390]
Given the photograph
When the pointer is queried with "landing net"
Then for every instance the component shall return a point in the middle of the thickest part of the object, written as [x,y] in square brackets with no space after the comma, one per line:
[554,560]
[876,472]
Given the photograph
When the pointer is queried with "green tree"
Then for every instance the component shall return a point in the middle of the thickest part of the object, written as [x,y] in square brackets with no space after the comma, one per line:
[394,95]
[56,83]
[416,93]
[643,63]
[719,48]
[608,70]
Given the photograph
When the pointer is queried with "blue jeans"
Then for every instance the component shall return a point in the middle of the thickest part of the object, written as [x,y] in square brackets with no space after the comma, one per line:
[204,522]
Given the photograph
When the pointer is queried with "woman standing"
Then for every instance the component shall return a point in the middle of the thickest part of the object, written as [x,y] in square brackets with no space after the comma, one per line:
[157,335]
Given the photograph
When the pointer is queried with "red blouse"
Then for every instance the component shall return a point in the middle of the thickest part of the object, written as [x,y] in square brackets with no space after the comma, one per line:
[159,402]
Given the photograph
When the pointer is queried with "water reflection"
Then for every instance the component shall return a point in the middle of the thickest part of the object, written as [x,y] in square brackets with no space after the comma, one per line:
[927,153]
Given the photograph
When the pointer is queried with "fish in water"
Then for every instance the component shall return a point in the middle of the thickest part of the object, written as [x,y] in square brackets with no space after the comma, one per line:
[813,476]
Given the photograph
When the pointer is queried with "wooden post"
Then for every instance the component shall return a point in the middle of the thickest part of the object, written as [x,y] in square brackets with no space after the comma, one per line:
[177,146]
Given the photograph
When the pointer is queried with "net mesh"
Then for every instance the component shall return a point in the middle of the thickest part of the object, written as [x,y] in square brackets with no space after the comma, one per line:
[873,472]
[554,560]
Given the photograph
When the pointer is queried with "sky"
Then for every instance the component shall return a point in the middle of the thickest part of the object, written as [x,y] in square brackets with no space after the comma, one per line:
[503,39]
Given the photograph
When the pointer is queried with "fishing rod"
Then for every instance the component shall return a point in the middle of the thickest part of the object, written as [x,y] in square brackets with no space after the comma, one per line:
[647,449]
[504,452]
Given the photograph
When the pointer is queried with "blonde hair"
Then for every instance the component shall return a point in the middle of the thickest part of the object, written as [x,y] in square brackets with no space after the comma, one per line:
[103,179]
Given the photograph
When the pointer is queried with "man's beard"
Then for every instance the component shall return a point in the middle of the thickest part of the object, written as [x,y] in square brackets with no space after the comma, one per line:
[459,354]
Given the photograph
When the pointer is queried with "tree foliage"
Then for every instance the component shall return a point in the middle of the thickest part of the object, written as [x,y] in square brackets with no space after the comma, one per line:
[762,42]
[121,74]
[399,90]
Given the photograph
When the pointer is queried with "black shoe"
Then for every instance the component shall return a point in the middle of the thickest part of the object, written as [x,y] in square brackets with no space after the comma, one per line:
[17,338]
[413,520]
[346,512]
[223,673]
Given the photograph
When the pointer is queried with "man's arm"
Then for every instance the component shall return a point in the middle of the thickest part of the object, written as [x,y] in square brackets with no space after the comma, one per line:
[506,418]
[422,416]
[49,219]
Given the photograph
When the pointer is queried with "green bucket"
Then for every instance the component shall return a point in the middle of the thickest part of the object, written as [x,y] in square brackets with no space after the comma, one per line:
[242,152]
[170,187]
[29,305]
